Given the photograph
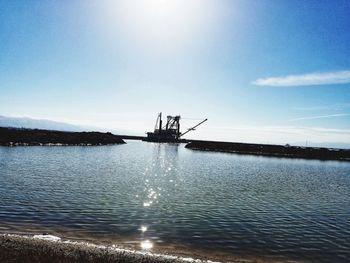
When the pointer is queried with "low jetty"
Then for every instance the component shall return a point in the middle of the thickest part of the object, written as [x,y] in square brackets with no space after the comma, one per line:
[29,137]
[272,150]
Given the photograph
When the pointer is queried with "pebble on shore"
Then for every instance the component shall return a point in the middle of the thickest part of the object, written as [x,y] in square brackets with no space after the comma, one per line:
[16,248]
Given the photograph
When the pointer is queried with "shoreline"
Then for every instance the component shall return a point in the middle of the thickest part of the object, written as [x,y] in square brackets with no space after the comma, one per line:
[37,137]
[267,150]
[49,248]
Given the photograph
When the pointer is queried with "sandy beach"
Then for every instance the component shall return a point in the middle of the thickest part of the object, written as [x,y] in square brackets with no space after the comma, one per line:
[48,248]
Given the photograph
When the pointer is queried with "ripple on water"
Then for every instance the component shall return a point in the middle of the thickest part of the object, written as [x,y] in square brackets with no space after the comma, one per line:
[164,193]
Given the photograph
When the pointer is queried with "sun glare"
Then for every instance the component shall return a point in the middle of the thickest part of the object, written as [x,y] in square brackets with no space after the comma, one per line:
[159,24]
[146,245]
[158,2]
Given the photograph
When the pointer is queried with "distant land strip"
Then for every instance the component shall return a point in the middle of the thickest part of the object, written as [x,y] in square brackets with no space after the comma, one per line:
[32,137]
[272,150]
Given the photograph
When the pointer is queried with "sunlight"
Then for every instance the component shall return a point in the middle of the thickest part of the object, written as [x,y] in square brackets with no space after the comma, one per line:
[160,24]
[146,245]
[159,2]
[143,229]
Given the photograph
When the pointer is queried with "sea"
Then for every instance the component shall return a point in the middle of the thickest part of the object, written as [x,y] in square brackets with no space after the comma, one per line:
[154,196]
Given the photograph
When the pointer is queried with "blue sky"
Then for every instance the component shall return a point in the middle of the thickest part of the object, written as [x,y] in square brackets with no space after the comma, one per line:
[259,70]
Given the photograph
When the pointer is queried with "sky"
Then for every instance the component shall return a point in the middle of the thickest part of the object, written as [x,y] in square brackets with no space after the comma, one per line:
[262,71]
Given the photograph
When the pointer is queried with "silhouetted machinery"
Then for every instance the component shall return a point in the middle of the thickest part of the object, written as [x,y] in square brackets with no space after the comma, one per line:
[170,132]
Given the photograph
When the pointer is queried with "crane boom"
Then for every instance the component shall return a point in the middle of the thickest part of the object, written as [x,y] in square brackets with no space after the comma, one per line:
[193,128]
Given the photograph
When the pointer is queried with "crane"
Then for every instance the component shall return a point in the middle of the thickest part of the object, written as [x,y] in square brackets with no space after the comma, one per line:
[193,128]
[170,132]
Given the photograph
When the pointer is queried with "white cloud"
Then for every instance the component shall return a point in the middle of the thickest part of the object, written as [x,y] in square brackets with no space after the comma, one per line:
[321,117]
[334,107]
[325,78]
[311,108]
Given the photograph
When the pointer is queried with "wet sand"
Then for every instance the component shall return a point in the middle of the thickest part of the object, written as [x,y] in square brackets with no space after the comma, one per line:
[47,248]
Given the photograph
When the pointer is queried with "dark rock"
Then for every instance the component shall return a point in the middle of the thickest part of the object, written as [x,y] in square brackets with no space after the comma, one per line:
[24,137]
[272,150]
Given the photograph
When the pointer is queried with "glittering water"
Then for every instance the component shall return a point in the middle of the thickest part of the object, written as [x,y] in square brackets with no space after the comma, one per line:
[166,194]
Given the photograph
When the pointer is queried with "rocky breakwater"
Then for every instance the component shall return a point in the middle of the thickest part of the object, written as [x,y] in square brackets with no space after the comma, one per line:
[272,150]
[29,137]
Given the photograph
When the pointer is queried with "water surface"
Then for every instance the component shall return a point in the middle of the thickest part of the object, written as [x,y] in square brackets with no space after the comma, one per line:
[164,193]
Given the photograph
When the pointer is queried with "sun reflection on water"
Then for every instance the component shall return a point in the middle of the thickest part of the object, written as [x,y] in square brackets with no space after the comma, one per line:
[143,229]
[158,178]
[146,245]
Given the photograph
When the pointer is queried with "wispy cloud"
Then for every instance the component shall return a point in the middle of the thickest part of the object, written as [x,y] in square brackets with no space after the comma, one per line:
[334,107]
[311,108]
[325,78]
[321,117]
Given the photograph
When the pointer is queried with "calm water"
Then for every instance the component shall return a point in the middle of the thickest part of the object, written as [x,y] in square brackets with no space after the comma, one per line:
[245,205]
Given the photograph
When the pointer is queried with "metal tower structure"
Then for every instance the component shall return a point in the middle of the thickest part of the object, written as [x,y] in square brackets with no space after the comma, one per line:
[170,132]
